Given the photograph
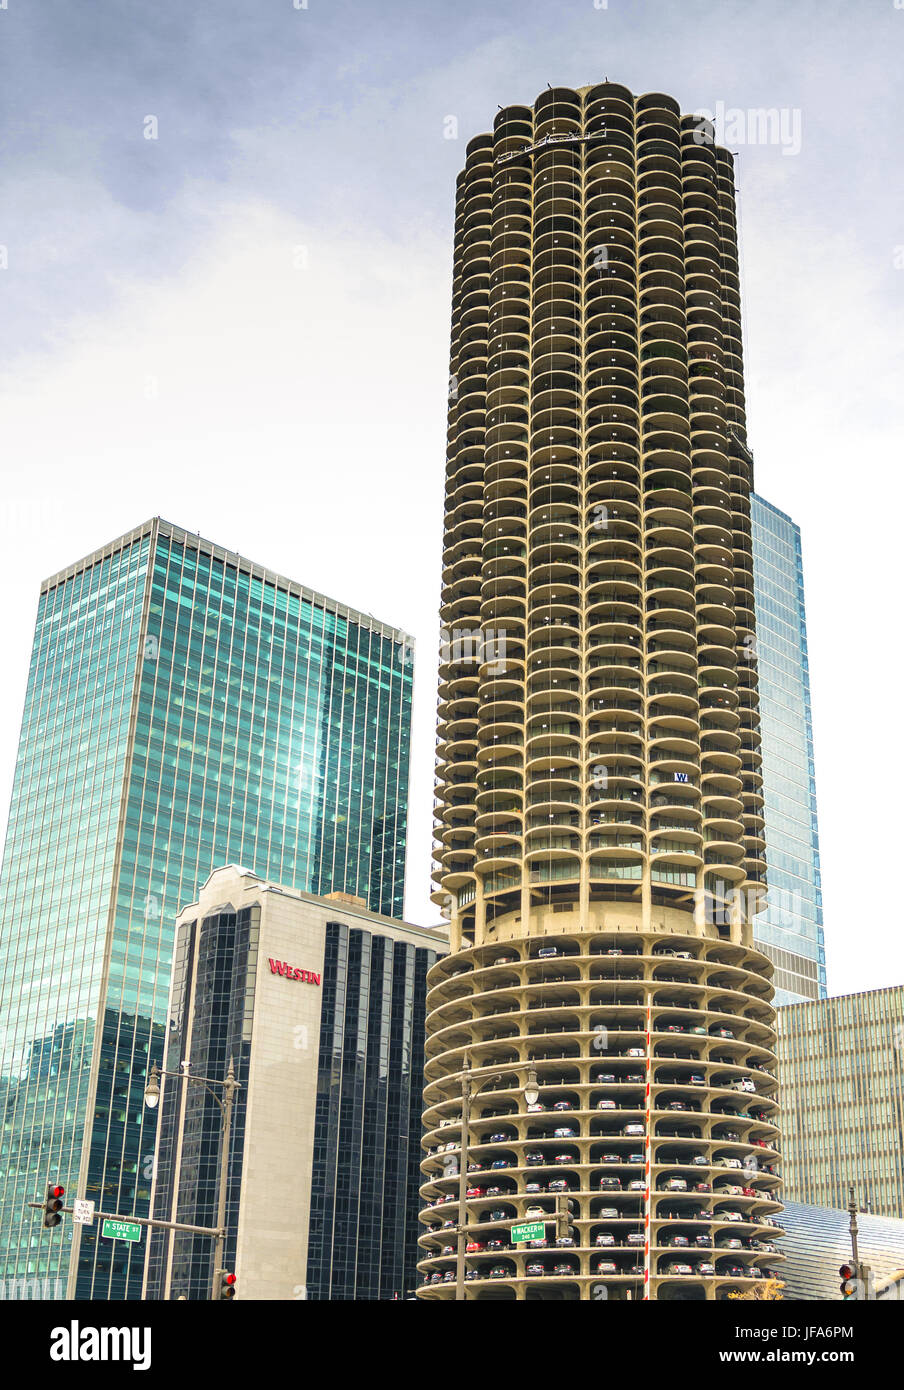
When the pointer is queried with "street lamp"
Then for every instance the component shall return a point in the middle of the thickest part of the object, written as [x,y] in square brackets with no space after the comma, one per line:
[229,1087]
[531,1093]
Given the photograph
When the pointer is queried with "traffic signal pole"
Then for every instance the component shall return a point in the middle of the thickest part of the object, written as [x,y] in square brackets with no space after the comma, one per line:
[862,1272]
[142,1221]
[230,1086]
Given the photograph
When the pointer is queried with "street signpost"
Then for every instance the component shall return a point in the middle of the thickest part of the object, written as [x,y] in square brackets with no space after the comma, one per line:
[120,1230]
[83,1211]
[528,1230]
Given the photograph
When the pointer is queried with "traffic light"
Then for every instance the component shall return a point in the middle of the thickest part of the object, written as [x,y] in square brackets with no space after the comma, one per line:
[227,1284]
[52,1205]
[848,1281]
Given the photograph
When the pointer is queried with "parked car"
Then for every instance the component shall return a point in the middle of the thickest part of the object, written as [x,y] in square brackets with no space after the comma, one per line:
[563,1105]
[565,1132]
[605,1238]
[610,1185]
[534,1268]
[633,1129]
[677,1268]
[606,1104]
[605,1267]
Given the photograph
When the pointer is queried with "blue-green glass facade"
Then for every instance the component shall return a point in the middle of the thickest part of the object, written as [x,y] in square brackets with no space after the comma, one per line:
[185,709]
[790,930]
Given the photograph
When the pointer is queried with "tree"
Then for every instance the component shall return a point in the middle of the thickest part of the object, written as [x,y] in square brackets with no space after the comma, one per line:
[770,1290]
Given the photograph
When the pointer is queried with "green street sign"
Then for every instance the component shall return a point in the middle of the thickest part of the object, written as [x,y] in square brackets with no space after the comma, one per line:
[120,1230]
[528,1230]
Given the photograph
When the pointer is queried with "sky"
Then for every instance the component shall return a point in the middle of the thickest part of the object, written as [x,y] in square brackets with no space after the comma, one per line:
[225,264]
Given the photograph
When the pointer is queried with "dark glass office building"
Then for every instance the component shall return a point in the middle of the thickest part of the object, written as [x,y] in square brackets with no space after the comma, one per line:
[185,708]
[320,1005]
[790,929]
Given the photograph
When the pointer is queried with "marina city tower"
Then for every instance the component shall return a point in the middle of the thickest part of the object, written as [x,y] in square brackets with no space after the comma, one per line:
[600,844]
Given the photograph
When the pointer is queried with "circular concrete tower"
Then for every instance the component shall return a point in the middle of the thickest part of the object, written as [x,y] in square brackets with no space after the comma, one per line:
[600,831]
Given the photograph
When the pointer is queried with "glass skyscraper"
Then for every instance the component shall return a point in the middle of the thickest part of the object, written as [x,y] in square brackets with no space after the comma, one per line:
[790,930]
[185,708]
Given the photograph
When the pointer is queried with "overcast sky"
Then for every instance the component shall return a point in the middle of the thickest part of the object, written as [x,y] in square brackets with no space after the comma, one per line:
[242,324]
